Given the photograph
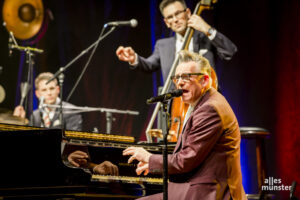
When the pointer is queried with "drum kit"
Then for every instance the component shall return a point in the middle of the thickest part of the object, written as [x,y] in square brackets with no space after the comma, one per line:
[23,19]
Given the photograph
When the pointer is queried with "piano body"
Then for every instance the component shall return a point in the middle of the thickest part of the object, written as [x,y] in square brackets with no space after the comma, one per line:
[32,165]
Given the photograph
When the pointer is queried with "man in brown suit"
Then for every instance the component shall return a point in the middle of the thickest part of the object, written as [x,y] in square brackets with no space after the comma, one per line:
[206,161]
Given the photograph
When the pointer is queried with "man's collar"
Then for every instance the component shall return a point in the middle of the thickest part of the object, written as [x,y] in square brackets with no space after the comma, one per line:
[197,101]
[179,37]
[57,101]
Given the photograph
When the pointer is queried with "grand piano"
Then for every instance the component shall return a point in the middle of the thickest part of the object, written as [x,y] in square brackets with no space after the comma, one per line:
[33,165]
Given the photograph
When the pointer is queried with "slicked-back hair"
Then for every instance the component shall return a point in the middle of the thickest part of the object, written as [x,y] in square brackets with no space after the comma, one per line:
[165,3]
[202,63]
[43,76]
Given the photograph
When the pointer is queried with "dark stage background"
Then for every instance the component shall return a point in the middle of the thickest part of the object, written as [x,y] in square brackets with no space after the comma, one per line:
[261,82]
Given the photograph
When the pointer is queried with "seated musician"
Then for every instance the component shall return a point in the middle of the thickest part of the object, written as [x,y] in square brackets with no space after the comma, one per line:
[81,159]
[206,161]
[47,116]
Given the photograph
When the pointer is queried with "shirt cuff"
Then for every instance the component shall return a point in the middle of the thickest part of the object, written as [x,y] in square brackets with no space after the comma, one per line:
[136,61]
[213,34]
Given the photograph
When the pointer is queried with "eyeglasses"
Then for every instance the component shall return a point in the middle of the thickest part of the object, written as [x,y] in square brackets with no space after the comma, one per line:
[184,77]
[176,14]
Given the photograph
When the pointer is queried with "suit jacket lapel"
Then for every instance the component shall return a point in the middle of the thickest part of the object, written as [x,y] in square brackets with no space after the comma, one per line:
[186,125]
[179,142]
[196,43]
[171,50]
[37,118]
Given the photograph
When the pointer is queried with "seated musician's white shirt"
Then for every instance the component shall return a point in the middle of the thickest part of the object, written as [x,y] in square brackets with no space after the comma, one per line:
[179,43]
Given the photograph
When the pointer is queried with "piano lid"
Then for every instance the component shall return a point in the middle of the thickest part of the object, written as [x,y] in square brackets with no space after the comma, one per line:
[73,134]
[32,158]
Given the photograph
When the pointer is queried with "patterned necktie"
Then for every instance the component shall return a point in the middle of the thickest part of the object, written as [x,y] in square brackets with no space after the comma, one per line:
[46,118]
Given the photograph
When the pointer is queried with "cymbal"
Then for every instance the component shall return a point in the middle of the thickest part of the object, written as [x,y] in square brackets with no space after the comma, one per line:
[23,17]
[2,94]
[8,118]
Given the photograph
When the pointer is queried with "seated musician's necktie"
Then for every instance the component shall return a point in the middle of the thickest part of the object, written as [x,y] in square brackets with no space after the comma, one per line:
[46,117]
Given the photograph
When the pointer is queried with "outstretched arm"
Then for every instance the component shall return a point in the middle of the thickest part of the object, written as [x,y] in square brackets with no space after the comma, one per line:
[126,54]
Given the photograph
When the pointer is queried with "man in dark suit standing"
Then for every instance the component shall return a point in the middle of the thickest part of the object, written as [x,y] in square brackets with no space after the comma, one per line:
[205,163]
[48,116]
[206,41]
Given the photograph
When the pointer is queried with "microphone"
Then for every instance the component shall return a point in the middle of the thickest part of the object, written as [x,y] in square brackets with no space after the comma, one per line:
[133,23]
[165,97]
[41,102]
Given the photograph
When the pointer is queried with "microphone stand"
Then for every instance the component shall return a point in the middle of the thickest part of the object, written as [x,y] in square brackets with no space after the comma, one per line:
[95,44]
[166,116]
[62,69]
[90,58]
[162,103]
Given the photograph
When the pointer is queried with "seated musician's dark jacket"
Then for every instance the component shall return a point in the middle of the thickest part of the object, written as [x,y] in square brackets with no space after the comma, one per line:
[71,121]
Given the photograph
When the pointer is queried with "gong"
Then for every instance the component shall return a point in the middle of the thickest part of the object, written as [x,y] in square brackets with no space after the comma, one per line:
[23,17]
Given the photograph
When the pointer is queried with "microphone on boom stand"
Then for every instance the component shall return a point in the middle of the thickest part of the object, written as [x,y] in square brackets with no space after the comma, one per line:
[165,97]
[133,23]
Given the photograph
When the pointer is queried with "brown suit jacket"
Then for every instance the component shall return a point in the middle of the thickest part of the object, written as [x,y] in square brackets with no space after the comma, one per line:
[206,160]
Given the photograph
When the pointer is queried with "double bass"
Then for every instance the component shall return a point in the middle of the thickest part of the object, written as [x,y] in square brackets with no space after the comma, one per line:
[178,109]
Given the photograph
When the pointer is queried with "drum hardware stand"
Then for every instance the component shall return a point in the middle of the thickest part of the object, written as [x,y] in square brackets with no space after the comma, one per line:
[61,83]
[29,60]
[25,87]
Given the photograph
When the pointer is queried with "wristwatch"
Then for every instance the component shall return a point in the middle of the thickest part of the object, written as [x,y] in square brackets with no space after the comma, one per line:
[210,31]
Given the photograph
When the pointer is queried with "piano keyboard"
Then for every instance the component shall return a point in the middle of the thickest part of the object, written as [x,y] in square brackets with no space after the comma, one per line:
[126,179]
[118,145]
[13,127]
[98,136]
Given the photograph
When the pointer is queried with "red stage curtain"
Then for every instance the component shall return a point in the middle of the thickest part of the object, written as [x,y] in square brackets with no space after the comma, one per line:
[287,99]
